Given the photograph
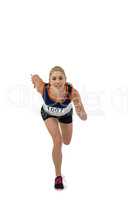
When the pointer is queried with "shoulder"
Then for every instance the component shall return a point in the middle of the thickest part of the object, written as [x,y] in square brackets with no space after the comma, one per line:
[69,86]
[44,87]
[73,92]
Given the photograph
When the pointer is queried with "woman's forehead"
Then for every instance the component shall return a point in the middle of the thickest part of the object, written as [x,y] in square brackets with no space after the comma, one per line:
[57,73]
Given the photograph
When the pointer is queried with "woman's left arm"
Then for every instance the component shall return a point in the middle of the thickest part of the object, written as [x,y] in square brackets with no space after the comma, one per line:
[78,105]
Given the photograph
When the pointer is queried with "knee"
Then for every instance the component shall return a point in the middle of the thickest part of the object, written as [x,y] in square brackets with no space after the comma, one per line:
[57,141]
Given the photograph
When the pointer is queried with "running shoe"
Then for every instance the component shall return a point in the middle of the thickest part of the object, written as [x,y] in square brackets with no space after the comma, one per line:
[59,183]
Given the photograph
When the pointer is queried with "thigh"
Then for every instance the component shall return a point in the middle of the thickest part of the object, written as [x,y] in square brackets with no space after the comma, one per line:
[66,130]
[53,128]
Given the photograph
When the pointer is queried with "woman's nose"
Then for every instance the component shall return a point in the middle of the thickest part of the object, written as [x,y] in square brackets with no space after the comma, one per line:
[57,81]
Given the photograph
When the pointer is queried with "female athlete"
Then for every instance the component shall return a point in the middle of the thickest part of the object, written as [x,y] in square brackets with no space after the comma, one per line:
[57,111]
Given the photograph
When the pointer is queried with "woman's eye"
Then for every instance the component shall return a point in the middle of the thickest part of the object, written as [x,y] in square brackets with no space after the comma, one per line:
[54,78]
[60,78]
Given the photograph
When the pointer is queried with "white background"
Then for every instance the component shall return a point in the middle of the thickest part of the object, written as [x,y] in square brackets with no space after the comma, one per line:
[93,42]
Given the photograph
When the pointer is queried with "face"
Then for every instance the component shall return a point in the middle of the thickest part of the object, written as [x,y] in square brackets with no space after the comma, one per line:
[57,79]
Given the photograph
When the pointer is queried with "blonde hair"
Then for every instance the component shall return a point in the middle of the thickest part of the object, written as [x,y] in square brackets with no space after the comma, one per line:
[57,68]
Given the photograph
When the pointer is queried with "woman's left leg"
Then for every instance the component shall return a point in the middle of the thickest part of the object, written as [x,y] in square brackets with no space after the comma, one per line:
[66,130]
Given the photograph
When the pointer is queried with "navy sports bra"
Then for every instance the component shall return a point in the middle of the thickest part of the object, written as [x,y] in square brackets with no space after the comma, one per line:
[57,108]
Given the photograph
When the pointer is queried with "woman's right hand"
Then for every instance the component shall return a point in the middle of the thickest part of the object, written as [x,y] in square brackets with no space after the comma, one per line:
[35,78]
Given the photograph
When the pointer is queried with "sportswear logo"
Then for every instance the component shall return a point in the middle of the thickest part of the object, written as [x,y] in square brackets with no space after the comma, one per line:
[55,110]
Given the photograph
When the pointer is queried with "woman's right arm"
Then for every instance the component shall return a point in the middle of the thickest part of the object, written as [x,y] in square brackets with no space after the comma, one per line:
[38,83]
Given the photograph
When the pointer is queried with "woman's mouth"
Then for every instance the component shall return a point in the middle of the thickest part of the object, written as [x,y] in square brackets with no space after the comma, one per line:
[58,86]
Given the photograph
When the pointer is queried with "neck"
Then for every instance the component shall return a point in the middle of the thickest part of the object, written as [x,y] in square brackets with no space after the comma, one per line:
[57,91]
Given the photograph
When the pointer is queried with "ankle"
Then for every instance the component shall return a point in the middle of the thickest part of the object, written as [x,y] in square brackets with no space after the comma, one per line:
[58,174]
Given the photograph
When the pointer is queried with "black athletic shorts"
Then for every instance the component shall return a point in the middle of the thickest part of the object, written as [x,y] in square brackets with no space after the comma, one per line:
[67,118]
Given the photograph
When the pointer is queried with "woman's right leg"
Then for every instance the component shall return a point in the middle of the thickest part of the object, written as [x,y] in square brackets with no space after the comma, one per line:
[53,129]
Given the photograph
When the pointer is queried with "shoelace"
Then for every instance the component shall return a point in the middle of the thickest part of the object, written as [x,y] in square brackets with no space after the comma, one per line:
[58,180]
